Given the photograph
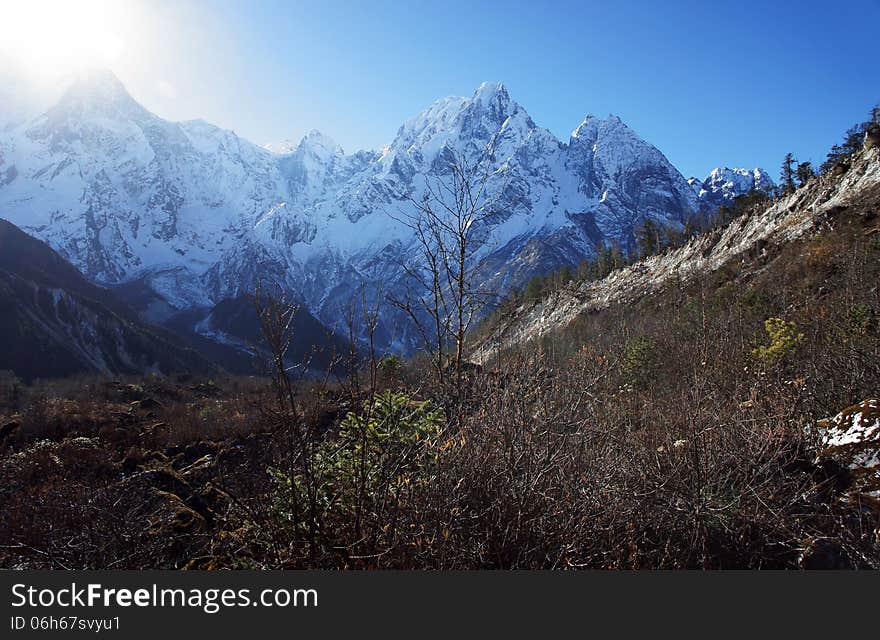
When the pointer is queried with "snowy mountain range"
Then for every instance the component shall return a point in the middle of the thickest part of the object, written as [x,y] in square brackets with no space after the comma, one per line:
[199,215]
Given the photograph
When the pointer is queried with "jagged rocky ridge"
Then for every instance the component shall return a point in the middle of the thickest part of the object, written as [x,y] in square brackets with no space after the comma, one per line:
[199,215]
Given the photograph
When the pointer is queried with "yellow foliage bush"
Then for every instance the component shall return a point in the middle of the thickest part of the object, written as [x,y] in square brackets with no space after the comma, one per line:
[784,337]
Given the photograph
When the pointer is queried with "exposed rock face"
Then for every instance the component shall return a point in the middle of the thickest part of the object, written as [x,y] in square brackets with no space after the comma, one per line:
[199,215]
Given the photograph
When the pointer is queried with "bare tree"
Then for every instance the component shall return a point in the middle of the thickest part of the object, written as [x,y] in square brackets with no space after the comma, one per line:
[449,222]
[362,315]
[276,313]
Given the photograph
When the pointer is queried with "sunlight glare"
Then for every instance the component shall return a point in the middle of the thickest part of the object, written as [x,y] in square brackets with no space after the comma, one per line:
[51,37]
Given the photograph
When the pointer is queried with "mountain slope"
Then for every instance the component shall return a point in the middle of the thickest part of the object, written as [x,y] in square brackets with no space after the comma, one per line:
[56,323]
[783,221]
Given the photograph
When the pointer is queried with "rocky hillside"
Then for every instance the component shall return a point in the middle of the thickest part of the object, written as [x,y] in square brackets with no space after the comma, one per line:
[810,208]
[197,214]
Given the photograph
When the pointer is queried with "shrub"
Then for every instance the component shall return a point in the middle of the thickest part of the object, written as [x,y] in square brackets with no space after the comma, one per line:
[862,319]
[639,362]
[393,421]
[755,301]
[389,369]
[534,290]
[358,477]
[784,337]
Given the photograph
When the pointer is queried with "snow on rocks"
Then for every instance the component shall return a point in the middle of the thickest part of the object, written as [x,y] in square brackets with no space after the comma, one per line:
[852,438]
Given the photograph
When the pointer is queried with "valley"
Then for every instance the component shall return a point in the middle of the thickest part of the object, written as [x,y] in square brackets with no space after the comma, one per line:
[709,406]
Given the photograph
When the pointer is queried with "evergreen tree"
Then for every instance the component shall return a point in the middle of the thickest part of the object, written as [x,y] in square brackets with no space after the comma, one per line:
[804,172]
[648,238]
[587,270]
[692,227]
[564,276]
[606,262]
[534,289]
[832,158]
[673,237]
[852,142]
[725,215]
[618,261]
[786,178]
[854,138]
[603,262]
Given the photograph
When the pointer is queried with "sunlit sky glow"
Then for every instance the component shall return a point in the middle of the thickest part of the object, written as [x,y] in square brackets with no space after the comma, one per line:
[707,83]
[91,33]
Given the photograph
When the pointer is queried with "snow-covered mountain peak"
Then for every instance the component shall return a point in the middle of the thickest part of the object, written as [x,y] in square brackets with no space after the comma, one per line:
[314,142]
[723,184]
[460,124]
[593,124]
[615,148]
[738,178]
[320,145]
[585,128]
[492,103]
[489,92]
[99,92]
[96,116]
[281,148]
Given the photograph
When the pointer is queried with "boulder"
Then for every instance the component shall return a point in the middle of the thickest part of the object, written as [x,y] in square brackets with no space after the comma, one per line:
[8,427]
[146,404]
[852,439]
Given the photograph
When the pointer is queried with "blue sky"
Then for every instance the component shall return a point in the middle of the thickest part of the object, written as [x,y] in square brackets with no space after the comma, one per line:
[708,83]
